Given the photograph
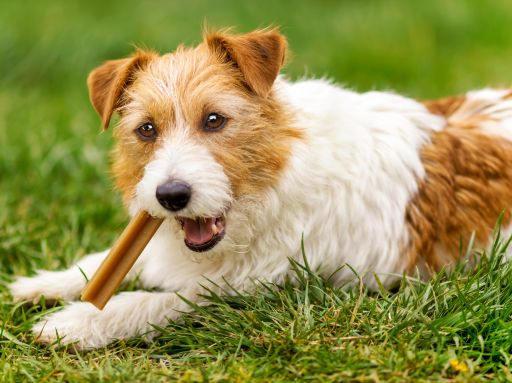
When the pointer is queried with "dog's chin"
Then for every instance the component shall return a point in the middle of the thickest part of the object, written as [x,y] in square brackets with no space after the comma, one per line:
[202,235]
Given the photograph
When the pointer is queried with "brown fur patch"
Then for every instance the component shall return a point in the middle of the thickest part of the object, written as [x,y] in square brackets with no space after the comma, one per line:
[254,157]
[445,106]
[468,182]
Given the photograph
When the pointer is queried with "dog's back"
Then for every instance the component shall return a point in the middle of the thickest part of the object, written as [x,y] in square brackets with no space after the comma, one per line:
[385,183]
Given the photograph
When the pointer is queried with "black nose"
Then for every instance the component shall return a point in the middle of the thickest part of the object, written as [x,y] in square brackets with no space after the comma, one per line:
[173,195]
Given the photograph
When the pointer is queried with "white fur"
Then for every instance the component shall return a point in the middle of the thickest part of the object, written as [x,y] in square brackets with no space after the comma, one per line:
[346,187]
[182,159]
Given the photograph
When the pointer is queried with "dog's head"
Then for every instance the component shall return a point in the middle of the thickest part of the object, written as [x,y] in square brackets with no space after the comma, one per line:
[200,130]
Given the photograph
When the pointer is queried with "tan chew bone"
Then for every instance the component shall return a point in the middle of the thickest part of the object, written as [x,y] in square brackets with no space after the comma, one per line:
[120,259]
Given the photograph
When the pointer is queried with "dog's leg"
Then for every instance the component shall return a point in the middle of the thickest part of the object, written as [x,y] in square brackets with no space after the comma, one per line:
[126,315]
[66,284]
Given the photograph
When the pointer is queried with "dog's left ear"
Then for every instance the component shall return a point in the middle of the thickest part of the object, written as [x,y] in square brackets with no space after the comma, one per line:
[259,55]
[107,83]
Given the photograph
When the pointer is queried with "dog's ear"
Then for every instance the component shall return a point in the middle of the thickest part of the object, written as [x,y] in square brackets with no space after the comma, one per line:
[107,83]
[259,55]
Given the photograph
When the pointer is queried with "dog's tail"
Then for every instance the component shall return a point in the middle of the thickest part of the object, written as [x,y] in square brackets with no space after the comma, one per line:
[488,109]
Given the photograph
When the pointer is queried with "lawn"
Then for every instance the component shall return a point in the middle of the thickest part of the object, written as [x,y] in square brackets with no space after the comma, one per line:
[57,203]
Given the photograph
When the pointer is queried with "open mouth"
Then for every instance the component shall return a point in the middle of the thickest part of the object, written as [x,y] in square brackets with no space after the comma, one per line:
[202,234]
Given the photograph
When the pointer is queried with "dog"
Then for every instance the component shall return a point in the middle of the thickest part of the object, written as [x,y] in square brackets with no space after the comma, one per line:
[243,163]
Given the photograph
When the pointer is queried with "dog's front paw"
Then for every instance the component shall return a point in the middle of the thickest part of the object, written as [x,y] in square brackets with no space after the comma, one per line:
[79,323]
[125,316]
[31,289]
[52,285]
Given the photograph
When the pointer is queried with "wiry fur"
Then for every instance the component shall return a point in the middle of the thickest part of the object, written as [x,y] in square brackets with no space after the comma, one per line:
[360,175]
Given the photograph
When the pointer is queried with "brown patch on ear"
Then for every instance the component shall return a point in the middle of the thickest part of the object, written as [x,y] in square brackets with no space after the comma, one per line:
[468,182]
[107,82]
[445,106]
[259,55]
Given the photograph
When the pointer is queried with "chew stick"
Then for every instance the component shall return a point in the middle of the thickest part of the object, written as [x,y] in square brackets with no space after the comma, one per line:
[120,259]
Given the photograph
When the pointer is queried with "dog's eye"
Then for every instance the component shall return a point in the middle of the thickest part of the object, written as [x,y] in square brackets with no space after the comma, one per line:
[214,121]
[147,131]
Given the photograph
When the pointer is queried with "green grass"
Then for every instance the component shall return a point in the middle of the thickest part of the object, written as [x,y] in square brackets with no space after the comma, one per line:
[57,205]
[456,325]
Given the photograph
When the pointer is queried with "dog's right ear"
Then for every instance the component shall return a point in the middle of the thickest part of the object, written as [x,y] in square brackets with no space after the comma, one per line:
[259,55]
[107,83]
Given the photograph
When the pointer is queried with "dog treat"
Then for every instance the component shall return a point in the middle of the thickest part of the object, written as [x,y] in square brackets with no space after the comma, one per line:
[120,259]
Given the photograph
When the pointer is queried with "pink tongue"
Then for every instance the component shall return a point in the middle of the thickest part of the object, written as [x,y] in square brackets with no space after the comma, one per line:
[198,231]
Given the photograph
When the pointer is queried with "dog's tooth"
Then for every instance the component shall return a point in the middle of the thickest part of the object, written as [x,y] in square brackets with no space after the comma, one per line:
[182,232]
[214,229]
